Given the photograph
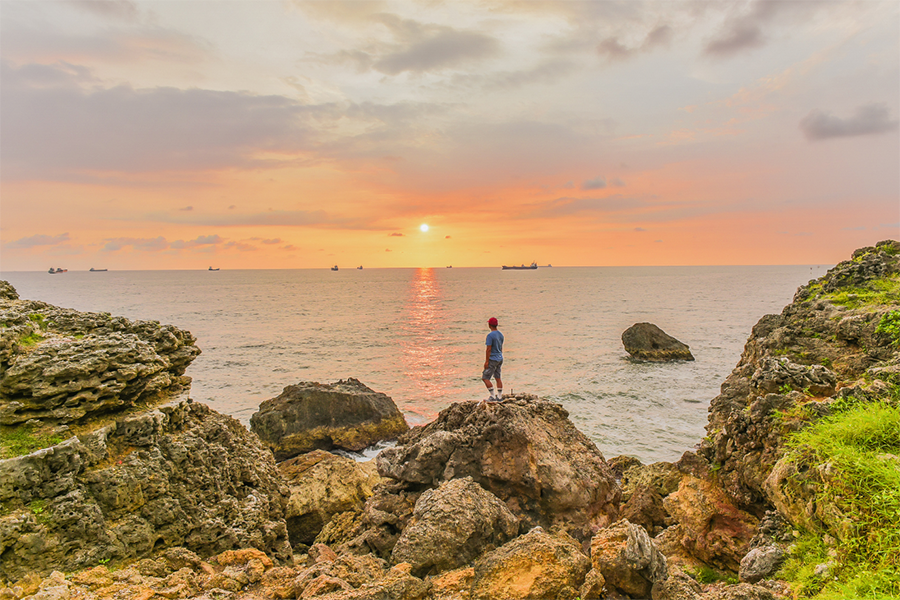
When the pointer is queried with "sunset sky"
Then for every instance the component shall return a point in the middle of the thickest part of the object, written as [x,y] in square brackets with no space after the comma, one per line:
[278,134]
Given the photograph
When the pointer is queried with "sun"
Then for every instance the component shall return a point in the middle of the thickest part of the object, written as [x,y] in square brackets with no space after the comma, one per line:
[423,227]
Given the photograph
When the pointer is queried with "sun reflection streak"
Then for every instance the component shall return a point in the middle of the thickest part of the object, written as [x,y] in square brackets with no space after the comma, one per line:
[428,358]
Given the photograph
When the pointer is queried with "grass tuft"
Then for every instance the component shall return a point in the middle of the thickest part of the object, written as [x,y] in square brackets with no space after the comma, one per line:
[861,444]
[22,440]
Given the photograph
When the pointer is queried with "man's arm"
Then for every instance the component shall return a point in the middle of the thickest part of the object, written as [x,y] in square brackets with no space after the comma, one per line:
[487,356]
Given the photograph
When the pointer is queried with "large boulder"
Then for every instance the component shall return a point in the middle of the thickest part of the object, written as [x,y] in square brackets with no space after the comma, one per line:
[321,485]
[628,559]
[713,529]
[453,525]
[646,341]
[62,366]
[525,451]
[180,475]
[308,416]
[535,566]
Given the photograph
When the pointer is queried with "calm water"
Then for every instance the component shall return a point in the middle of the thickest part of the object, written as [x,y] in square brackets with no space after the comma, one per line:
[418,335]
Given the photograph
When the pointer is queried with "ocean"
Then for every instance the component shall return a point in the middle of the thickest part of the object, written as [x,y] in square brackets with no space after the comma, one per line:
[418,335]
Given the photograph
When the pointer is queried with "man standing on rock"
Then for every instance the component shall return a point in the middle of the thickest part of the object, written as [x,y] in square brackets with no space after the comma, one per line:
[493,360]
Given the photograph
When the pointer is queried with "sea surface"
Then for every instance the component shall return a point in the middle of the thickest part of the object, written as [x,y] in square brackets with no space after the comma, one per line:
[418,335]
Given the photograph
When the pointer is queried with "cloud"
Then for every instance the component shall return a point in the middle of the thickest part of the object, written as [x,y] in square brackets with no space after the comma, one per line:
[125,10]
[616,182]
[432,47]
[741,36]
[388,250]
[565,206]
[241,246]
[598,183]
[744,30]
[186,208]
[272,241]
[144,244]
[395,234]
[274,218]
[613,49]
[871,119]
[48,118]
[203,240]
[39,240]
[159,243]
[639,229]
[446,237]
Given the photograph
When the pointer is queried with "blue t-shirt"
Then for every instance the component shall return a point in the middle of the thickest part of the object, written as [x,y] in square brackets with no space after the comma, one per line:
[495,341]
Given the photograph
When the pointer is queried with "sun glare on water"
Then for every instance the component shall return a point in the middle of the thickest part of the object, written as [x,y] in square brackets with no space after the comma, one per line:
[423,227]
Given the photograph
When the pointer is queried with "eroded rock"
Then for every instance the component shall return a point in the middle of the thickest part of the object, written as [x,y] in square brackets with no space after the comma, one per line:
[525,451]
[646,341]
[453,525]
[534,566]
[309,416]
[321,485]
[628,559]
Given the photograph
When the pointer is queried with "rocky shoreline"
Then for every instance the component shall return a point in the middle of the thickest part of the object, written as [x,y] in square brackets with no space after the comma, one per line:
[114,484]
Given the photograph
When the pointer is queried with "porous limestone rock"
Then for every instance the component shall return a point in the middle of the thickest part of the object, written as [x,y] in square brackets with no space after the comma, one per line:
[677,586]
[628,559]
[761,563]
[525,451]
[179,475]
[535,566]
[713,529]
[321,485]
[309,416]
[823,346]
[452,525]
[646,341]
[62,366]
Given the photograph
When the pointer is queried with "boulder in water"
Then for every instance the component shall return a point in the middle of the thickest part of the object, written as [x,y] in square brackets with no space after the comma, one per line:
[310,416]
[646,341]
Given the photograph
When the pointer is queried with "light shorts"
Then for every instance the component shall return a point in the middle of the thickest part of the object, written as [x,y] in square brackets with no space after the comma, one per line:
[493,369]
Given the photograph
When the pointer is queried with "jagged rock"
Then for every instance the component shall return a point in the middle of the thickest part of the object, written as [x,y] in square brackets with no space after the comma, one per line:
[646,341]
[678,586]
[775,374]
[628,559]
[525,451]
[593,586]
[180,475]
[741,591]
[7,291]
[645,507]
[321,485]
[533,566]
[760,563]
[344,415]
[453,525]
[713,529]
[385,516]
[793,365]
[62,366]
[452,585]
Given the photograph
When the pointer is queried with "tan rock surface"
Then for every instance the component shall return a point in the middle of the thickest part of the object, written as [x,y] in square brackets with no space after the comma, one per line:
[713,529]
[535,566]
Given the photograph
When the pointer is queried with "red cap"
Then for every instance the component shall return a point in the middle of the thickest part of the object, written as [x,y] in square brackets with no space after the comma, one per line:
[492,321]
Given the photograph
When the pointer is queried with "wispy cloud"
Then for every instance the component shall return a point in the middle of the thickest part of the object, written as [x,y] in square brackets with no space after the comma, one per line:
[871,119]
[597,183]
[38,240]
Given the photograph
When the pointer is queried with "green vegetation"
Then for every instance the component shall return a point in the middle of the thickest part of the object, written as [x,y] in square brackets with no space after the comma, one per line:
[31,339]
[39,320]
[39,509]
[860,442]
[878,292]
[704,574]
[18,441]
[890,325]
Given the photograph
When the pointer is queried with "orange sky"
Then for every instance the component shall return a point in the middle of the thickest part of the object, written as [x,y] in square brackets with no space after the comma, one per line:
[160,135]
